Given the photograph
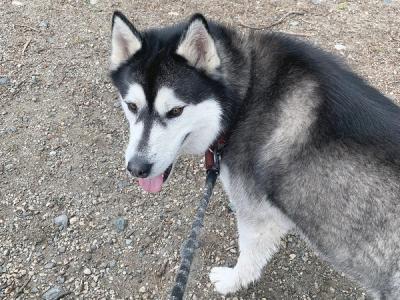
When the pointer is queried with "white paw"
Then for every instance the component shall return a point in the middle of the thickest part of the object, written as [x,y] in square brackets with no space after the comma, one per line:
[226,280]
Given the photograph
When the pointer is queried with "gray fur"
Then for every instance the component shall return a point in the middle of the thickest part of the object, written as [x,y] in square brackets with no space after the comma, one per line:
[343,199]
[310,146]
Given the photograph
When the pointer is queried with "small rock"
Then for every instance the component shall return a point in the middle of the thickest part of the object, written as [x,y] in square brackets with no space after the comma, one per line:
[117,104]
[387,1]
[11,129]
[340,47]
[49,265]
[61,249]
[294,23]
[17,3]
[61,221]
[112,264]
[54,293]
[53,153]
[73,220]
[93,2]
[34,290]
[87,271]
[60,279]
[316,1]
[4,80]
[122,184]
[142,289]
[44,24]
[292,256]
[120,224]
[128,242]
[231,207]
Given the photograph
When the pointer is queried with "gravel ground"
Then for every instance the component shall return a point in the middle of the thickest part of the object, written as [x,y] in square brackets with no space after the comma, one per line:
[71,222]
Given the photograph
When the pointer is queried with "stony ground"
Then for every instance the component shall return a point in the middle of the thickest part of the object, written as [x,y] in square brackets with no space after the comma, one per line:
[71,223]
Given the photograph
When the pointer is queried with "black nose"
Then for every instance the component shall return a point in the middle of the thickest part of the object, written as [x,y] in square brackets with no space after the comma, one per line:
[139,167]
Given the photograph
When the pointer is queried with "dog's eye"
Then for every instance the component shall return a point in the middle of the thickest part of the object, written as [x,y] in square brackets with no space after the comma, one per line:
[175,112]
[132,107]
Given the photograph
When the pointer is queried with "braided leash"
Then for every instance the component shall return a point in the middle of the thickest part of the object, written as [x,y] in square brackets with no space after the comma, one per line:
[212,164]
[191,243]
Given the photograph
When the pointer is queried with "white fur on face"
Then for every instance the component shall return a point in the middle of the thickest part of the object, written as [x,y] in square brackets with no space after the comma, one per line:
[199,124]
[135,95]
[124,43]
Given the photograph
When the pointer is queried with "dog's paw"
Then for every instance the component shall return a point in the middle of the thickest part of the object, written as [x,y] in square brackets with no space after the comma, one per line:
[225,280]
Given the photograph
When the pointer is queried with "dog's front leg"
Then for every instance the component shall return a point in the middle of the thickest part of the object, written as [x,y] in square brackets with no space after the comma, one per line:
[260,232]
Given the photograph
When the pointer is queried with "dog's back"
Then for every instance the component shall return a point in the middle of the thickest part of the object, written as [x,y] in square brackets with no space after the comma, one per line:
[330,159]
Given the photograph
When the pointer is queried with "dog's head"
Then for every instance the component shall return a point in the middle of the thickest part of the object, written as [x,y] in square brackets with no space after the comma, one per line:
[167,83]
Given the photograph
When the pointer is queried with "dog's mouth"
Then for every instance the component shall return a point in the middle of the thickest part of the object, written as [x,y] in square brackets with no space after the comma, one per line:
[154,184]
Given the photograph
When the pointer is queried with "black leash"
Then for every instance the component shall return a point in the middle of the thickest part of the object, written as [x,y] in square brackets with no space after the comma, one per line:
[190,245]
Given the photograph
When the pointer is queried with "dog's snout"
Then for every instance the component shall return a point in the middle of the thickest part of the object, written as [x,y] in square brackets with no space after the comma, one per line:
[139,168]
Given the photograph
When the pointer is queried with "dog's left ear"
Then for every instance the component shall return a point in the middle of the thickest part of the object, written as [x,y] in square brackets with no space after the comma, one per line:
[197,45]
[125,40]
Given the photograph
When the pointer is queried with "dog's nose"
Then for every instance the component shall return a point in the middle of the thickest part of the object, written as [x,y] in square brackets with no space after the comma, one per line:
[139,168]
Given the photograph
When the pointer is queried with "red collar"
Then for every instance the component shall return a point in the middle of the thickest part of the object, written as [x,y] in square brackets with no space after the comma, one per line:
[213,154]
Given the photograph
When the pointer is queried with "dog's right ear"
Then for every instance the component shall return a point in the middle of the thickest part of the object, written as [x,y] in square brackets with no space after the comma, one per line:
[125,40]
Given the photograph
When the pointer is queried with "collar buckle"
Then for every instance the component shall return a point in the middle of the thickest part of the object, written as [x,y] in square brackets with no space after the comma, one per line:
[213,155]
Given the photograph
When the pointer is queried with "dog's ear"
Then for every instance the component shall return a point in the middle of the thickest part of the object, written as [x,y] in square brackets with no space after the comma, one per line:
[125,40]
[197,45]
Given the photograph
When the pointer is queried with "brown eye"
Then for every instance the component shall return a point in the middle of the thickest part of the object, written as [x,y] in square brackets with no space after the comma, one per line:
[132,107]
[175,112]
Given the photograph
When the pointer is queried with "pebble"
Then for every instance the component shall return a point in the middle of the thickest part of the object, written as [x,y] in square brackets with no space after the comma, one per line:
[54,293]
[128,242]
[87,271]
[122,184]
[120,224]
[44,24]
[112,264]
[49,265]
[292,256]
[17,3]
[11,129]
[4,80]
[340,47]
[231,207]
[142,289]
[61,221]
[60,279]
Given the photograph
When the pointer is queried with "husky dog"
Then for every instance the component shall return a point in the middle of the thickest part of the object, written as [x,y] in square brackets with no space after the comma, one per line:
[310,145]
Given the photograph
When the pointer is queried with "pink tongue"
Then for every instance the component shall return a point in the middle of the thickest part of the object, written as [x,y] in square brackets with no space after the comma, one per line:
[152,185]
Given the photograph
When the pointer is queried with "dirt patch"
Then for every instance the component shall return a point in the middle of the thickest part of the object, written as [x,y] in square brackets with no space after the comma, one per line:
[62,137]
